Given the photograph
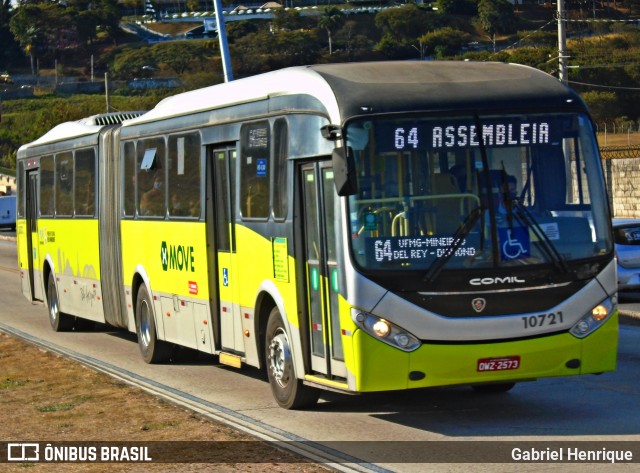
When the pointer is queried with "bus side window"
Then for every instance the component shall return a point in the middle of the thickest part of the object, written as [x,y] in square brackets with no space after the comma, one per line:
[64,184]
[184,175]
[151,177]
[85,182]
[46,202]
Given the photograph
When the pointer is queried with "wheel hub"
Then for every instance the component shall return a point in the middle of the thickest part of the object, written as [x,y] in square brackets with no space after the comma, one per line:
[280,359]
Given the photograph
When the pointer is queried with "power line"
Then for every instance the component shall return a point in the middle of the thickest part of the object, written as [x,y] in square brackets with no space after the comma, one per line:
[601,66]
[601,20]
[604,86]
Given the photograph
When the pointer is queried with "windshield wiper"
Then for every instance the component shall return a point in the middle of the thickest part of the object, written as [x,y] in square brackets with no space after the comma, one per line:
[528,220]
[525,218]
[458,239]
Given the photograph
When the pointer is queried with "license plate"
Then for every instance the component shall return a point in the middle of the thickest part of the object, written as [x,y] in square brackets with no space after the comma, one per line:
[499,364]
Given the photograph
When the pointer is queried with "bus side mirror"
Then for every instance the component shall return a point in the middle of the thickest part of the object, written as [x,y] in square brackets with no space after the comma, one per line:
[344,171]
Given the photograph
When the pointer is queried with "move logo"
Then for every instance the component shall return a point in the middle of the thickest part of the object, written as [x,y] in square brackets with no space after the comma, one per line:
[177,257]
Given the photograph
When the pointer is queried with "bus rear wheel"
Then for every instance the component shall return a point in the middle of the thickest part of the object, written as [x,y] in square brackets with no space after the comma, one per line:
[59,322]
[289,392]
[152,349]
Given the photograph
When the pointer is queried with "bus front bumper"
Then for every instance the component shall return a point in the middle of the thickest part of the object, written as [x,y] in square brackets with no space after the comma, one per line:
[381,367]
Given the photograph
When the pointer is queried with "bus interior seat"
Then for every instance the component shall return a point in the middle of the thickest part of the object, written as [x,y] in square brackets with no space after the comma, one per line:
[446,211]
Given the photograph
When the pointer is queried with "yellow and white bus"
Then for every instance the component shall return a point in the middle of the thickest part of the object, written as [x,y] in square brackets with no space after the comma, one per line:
[352,227]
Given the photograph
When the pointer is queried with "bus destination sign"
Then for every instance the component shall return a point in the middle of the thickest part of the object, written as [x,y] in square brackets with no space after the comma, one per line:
[420,250]
[459,134]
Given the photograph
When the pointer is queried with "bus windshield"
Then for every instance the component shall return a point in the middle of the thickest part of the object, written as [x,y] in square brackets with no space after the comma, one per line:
[460,192]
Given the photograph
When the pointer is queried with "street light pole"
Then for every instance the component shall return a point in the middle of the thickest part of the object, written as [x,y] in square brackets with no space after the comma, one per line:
[222,39]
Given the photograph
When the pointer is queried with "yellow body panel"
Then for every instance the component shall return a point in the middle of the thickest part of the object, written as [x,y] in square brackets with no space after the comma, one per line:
[255,266]
[73,246]
[172,254]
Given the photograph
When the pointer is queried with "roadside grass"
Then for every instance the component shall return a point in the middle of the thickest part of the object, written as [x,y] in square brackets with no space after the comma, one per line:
[45,397]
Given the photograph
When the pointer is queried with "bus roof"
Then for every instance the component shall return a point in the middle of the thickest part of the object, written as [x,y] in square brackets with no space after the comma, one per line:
[84,127]
[290,81]
[350,89]
[443,86]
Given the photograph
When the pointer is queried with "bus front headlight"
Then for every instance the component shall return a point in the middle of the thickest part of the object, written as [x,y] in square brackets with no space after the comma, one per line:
[385,331]
[595,318]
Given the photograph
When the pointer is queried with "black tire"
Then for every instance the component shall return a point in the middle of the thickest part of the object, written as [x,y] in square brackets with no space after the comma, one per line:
[152,349]
[288,391]
[493,388]
[59,322]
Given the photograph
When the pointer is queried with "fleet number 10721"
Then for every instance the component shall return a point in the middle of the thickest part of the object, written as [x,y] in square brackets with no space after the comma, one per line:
[542,320]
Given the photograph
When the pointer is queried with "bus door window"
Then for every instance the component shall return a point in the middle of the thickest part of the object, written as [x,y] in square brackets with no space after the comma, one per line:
[184,175]
[254,170]
[280,167]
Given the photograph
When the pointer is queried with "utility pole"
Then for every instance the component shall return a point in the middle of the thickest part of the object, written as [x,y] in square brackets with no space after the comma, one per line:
[562,44]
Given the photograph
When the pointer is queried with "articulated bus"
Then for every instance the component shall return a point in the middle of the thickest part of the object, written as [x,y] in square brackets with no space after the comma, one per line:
[351,227]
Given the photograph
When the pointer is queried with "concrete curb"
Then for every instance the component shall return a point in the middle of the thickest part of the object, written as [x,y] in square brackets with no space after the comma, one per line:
[628,317]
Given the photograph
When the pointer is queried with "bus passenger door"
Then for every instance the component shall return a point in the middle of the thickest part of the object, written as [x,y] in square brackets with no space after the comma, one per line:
[322,278]
[224,290]
[30,289]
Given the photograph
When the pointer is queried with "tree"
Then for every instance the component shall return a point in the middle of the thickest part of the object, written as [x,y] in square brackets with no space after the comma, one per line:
[401,28]
[604,106]
[130,62]
[496,16]
[10,50]
[28,26]
[134,5]
[457,7]
[331,18]
[446,41]
[355,44]
[110,16]
[286,19]
[179,55]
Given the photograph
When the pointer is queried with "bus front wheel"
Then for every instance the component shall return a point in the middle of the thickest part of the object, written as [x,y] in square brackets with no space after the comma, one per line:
[288,391]
[152,349]
[59,322]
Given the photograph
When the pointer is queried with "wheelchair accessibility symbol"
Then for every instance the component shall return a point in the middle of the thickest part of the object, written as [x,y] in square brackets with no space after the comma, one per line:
[225,276]
[514,243]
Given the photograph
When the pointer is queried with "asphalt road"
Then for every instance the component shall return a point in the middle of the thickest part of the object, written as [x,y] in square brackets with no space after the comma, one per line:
[399,427]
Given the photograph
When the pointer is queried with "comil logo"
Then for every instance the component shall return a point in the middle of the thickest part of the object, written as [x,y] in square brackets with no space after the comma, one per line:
[491,281]
[23,452]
